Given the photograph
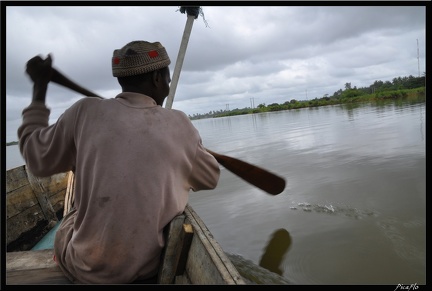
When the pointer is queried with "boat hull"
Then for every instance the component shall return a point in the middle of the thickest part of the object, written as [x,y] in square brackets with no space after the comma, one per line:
[33,206]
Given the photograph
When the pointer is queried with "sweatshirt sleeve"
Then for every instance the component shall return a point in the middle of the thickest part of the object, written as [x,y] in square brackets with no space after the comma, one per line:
[46,149]
[205,171]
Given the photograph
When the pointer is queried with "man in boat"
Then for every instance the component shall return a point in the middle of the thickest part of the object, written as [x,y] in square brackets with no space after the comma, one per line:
[134,161]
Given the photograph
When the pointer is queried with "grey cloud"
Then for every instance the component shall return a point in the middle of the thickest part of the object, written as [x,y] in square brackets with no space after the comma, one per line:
[273,54]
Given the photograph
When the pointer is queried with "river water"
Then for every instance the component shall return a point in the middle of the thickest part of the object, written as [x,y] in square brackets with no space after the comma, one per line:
[354,208]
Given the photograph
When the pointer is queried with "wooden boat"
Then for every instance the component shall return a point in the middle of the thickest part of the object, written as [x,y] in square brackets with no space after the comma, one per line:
[34,206]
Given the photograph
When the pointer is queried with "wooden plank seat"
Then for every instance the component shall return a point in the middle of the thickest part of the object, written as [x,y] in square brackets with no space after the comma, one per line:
[38,266]
[33,267]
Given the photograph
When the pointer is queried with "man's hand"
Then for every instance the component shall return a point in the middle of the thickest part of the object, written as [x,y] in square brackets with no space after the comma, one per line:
[39,70]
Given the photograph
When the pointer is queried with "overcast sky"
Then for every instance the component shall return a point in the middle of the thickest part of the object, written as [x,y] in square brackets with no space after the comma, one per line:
[236,56]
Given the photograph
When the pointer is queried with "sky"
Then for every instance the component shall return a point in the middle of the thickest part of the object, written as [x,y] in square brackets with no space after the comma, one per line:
[236,57]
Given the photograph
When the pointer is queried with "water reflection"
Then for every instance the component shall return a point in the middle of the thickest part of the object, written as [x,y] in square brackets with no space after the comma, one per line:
[275,251]
[269,270]
[422,128]
[254,121]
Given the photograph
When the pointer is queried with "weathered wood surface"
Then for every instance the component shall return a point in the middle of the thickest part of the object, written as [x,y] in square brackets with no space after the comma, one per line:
[183,251]
[170,255]
[31,205]
[70,193]
[33,267]
[207,263]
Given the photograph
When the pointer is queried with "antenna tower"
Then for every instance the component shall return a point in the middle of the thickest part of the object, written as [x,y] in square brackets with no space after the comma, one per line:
[418,60]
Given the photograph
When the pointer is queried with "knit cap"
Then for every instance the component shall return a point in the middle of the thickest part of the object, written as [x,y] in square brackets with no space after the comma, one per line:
[139,57]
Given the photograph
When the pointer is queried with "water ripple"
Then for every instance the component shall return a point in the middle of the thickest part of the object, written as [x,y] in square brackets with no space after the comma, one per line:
[335,210]
[402,245]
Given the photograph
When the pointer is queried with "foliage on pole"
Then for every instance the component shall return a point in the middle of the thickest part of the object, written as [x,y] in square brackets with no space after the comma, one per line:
[191,10]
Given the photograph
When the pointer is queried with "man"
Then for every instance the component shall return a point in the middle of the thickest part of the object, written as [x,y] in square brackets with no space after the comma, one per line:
[134,163]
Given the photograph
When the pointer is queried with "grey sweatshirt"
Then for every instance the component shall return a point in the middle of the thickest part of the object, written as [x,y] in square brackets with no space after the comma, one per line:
[134,163]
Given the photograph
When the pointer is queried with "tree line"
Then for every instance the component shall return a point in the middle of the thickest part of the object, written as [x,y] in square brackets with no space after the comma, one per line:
[397,88]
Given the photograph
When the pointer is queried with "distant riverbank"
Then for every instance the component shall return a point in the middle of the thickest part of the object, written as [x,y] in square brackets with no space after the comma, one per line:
[346,97]
[405,94]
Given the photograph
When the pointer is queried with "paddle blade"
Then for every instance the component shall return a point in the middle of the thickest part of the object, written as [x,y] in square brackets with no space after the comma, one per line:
[252,174]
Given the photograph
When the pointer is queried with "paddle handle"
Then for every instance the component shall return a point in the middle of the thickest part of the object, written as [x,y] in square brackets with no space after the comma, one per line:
[61,79]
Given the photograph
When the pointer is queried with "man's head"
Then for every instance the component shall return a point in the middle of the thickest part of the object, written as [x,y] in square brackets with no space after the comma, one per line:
[142,67]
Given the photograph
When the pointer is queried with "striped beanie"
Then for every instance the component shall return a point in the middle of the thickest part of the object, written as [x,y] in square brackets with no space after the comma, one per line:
[139,57]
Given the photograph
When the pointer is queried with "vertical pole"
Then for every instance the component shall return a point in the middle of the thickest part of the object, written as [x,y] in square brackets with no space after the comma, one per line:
[179,62]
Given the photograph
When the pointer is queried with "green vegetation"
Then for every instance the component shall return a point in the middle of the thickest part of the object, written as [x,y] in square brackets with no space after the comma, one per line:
[11,143]
[406,87]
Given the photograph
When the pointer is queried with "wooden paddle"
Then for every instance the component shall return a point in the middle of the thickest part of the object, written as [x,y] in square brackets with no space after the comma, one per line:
[255,175]
[252,174]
